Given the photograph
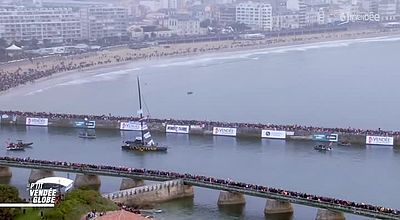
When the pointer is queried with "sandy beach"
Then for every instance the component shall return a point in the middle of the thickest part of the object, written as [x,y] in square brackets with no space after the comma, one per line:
[21,72]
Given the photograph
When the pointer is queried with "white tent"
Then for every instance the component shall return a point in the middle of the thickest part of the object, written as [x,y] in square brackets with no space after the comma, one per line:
[13,47]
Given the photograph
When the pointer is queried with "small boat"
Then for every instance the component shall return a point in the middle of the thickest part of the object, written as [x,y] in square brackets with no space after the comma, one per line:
[322,147]
[20,144]
[14,147]
[144,143]
[87,135]
[344,143]
[189,93]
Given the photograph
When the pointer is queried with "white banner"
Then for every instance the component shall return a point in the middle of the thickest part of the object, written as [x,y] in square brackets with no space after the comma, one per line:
[131,126]
[290,133]
[224,131]
[378,140]
[196,127]
[182,129]
[37,121]
[273,134]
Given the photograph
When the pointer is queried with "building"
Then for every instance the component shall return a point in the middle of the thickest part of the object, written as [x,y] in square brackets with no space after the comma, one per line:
[227,14]
[183,25]
[387,10]
[42,24]
[102,22]
[315,16]
[254,14]
[285,20]
[149,31]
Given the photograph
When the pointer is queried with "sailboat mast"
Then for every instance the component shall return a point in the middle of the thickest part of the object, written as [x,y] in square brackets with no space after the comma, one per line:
[140,110]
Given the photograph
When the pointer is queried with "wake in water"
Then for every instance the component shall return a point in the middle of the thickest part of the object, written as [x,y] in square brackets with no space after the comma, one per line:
[210,59]
[83,79]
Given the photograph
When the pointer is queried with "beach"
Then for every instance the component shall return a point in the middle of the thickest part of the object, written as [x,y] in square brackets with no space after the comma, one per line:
[30,70]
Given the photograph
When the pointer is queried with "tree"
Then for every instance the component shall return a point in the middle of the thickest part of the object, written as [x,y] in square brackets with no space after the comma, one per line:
[34,43]
[3,43]
[205,23]
[8,194]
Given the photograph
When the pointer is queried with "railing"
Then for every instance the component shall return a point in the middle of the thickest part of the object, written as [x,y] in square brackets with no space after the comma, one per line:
[205,184]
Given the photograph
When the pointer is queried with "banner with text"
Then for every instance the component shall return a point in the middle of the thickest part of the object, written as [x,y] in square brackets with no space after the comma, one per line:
[182,129]
[325,137]
[131,126]
[85,124]
[224,131]
[37,121]
[273,134]
[378,140]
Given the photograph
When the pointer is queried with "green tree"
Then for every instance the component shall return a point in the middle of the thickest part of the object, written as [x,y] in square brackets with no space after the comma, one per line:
[8,194]
[3,43]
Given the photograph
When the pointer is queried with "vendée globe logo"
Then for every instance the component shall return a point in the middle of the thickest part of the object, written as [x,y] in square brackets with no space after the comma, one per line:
[367,17]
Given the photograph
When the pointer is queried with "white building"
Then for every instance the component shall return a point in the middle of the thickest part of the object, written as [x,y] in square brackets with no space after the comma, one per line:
[53,24]
[183,25]
[315,17]
[254,14]
[387,10]
[285,21]
[101,22]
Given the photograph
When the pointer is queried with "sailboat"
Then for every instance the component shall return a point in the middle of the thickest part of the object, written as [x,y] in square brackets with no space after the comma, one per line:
[144,143]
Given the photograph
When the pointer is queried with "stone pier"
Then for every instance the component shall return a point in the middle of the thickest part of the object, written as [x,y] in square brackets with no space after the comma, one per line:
[5,172]
[231,198]
[39,174]
[273,207]
[150,194]
[87,181]
[325,214]
[128,183]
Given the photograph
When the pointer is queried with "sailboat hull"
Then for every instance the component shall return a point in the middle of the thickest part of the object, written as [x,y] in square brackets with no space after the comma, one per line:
[144,148]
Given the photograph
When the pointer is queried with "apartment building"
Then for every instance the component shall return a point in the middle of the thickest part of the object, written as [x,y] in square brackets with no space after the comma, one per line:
[255,14]
[53,24]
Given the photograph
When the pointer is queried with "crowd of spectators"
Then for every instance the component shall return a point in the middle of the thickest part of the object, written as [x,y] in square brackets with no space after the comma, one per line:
[45,68]
[354,206]
[209,124]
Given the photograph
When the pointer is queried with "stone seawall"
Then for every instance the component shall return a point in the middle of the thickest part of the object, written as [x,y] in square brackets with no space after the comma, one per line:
[160,127]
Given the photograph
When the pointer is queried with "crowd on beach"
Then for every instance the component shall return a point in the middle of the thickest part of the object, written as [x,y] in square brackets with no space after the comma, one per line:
[355,206]
[13,77]
[207,124]
[29,70]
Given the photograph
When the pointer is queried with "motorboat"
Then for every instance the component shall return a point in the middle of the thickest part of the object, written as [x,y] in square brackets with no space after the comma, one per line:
[87,135]
[321,147]
[14,147]
[344,143]
[19,144]
[144,143]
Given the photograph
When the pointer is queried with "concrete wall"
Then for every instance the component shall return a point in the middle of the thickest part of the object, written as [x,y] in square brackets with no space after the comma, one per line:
[242,132]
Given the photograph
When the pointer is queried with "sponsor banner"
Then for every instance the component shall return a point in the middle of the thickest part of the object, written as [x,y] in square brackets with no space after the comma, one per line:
[326,137]
[85,124]
[224,131]
[273,134]
[379,140]
[290,133]
[196,127]
[37,121]
[182,129]
[131,126]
